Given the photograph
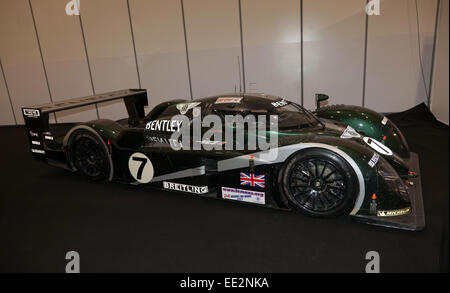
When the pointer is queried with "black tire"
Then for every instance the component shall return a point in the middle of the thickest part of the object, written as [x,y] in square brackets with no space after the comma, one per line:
[319,183]
[89,155]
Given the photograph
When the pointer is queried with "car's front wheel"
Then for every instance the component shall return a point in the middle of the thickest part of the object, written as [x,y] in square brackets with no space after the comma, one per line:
[318,182]
[89,155]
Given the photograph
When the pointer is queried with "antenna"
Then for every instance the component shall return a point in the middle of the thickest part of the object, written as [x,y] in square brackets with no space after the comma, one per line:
[240,79]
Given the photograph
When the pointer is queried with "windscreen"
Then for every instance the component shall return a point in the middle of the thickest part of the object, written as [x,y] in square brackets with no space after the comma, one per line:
[290,115]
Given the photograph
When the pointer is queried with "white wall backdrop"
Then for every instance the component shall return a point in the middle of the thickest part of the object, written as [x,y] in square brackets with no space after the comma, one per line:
[394,80]
[6,114]
[333,44]
[271,41]
[110,50]
[193,48]
[64,57]
[19,55]
[440,93]
[160,48]
[213,38]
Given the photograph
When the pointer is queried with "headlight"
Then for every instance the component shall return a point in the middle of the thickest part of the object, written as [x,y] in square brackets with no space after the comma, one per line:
[392,179]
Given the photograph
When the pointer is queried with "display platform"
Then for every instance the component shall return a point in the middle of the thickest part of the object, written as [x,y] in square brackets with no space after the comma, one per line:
[46,212]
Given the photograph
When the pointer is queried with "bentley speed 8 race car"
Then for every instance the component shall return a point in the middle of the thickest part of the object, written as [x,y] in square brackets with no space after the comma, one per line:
[338,159]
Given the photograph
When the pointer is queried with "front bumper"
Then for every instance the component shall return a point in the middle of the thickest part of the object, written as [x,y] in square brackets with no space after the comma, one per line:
[413,221]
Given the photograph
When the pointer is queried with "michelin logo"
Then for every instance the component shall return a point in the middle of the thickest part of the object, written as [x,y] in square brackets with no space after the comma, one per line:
[393,213]
[185,187]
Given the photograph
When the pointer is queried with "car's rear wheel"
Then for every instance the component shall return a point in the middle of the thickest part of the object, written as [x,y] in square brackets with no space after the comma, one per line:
[89,155]
[318,182]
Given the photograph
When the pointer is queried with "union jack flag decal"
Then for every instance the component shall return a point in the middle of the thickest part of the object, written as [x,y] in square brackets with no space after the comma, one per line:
[253,180]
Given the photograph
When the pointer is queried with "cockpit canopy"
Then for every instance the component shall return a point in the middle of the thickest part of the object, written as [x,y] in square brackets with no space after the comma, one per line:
[290,115]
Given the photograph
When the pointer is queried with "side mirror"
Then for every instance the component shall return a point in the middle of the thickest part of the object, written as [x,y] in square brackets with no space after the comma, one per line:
[320,98]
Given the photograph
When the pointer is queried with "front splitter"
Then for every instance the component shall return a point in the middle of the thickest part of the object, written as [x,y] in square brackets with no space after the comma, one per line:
[415,220]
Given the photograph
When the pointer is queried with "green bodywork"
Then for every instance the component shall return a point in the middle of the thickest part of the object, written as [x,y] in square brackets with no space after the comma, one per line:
[368,123]
[334,120]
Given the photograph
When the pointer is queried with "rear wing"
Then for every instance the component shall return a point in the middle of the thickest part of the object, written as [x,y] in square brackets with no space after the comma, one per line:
[135,100]
[37,117]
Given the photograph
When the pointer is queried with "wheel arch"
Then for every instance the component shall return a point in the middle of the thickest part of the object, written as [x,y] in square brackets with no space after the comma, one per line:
[349,159]
[352,152]
[82,127]
[369,122]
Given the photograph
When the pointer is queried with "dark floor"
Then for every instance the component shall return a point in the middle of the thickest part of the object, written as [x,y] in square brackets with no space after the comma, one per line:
[45,212]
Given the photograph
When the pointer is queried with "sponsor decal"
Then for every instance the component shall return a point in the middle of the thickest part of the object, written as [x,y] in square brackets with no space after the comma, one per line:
[161,140]
[185,107]
[373,206]
[164,125]
[349,132]
[254,180]
[185,187]
[36,142]
[384,121]
[378,146]
[48,135]
[38,151]
[211,142]
[33,113]
[279,103]
[243,195]
[392,213]
[34,134]
[228,100]
[374,160]
[141,168]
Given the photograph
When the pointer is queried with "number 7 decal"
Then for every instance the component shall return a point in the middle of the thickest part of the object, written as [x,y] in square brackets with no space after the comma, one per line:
[141,168]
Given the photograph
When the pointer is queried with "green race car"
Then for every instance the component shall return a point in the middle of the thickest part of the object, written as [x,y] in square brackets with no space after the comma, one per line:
[338,159]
